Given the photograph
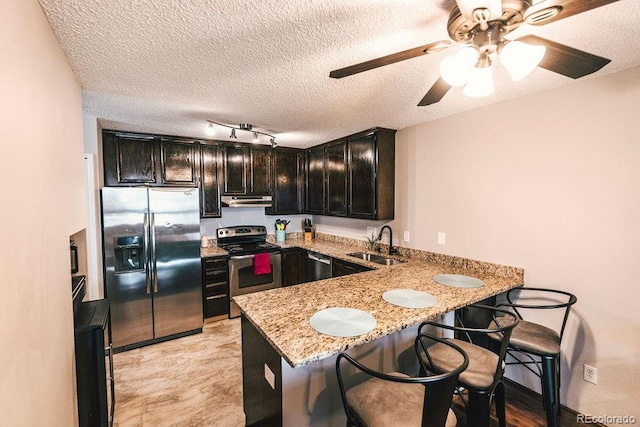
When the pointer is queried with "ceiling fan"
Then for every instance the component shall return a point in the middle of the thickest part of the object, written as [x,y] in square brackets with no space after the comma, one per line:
[481,25]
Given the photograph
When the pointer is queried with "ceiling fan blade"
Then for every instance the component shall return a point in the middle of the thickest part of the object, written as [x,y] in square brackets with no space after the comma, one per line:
[436,93]
[390,59]
[536,14]
[566,60]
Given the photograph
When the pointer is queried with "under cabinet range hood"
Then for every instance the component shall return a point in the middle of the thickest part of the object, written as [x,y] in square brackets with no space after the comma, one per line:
[246,201]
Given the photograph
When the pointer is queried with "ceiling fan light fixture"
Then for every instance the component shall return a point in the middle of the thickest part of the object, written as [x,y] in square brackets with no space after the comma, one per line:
[480,82]
[520,59]
[456,69]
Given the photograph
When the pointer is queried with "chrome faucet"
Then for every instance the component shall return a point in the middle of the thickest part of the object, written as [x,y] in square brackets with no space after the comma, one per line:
[392,250]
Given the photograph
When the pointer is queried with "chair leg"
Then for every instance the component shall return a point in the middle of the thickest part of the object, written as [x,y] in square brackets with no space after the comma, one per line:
[550,392]
[500,404]
[478,410]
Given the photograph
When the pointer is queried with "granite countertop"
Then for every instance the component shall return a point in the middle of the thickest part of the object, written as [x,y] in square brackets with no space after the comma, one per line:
[282,315]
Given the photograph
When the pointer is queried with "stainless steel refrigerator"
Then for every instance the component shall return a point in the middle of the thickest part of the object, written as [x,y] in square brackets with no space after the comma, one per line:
[151,239]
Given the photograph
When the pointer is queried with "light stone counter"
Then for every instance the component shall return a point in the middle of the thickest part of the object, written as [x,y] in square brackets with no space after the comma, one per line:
[282,315]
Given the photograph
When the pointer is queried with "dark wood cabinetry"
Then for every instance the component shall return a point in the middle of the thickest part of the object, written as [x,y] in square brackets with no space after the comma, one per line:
[315,180]
[340,267]
[215,283]
[234,169]
[136,159]
[289,167]
[209,185]
[353,176]
[246,170]
[335,172]
[178,162]
[260,170]
[294,266]
[94,364]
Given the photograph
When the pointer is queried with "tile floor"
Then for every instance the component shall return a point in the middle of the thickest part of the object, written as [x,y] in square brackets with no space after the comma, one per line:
[190,381]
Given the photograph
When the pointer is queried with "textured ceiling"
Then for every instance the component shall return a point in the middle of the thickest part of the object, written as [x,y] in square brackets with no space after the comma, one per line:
[166,66]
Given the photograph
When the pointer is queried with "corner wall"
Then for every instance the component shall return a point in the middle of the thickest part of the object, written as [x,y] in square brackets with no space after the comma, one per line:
[43,203]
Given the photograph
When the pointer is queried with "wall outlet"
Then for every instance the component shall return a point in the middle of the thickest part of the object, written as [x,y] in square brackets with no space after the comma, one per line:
[270,376]
[442,238]
[406,236]
[590,374]
[203,230]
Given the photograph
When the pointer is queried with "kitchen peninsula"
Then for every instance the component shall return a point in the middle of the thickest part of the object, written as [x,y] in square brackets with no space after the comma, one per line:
[289,368]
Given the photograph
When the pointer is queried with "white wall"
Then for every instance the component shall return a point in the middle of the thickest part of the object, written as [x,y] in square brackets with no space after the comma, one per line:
[43,203]
[551,183]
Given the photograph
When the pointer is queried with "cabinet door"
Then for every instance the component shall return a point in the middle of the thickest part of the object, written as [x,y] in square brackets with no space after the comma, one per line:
[260,170]
[362,174]
[287,194]
[336,176]
[315,180]
[129,159]
[234,169]
[178,163]
[294,266]
[209,190]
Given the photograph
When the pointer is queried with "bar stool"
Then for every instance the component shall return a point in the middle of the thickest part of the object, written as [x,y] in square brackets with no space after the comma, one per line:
[483,377]
[539,344]
[397,399]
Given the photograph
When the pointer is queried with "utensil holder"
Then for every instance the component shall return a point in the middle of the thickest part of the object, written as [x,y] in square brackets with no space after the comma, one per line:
[280,235]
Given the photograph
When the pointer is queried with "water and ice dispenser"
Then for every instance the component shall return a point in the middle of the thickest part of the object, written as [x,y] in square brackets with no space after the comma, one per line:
[128,253]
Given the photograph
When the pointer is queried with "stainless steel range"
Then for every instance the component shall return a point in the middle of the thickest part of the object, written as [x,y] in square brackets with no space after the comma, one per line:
[243,243]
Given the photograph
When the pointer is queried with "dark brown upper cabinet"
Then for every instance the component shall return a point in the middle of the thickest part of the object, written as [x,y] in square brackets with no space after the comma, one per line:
[136,159]
[336,178]
[234,169]
[315,186]
[355,176]
[210,188]
[289,167]
[129,159]
[260,170]
[178,162]
[246,170]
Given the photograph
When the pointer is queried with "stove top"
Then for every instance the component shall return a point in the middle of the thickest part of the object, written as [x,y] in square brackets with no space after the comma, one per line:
[245,239]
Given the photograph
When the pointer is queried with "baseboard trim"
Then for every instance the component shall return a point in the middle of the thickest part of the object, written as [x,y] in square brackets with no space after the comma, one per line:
[535,395]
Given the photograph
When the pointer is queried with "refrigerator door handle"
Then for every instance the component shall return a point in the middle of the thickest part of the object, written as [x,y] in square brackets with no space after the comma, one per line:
[146,250]
[153,252]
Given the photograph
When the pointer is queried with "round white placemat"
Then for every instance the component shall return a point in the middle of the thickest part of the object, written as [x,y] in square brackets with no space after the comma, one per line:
[342,322]
[458,280]
[409,298]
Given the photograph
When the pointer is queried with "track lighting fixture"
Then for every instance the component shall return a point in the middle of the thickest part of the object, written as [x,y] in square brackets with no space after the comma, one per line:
[210,130]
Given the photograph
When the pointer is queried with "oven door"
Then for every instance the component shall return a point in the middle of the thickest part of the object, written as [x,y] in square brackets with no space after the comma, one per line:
[242,280]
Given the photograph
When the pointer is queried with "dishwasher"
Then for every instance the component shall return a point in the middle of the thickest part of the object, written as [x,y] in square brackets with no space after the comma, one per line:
[318,266]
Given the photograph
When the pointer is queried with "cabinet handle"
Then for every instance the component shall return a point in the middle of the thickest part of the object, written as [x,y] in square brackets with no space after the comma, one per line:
[213,285]
[217,297]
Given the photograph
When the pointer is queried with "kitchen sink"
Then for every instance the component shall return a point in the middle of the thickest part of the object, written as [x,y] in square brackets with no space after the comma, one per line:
[378,259]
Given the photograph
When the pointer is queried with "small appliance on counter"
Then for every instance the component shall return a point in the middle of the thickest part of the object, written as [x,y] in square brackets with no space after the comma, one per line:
[254,263]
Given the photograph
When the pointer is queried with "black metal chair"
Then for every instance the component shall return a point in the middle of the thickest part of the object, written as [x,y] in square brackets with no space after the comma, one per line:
[483,377]
[534,344]
[394,398]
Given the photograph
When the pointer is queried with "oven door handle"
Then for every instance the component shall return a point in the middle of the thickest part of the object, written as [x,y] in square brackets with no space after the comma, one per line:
[236,257]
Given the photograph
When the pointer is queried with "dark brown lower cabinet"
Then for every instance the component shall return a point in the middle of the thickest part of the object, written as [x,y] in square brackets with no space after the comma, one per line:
[215,283]
[294,266]
[341,267]
[94,364]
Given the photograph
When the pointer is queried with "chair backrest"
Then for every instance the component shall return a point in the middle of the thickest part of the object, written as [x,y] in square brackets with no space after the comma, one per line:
[500,331]
[439,387]
[541,299]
